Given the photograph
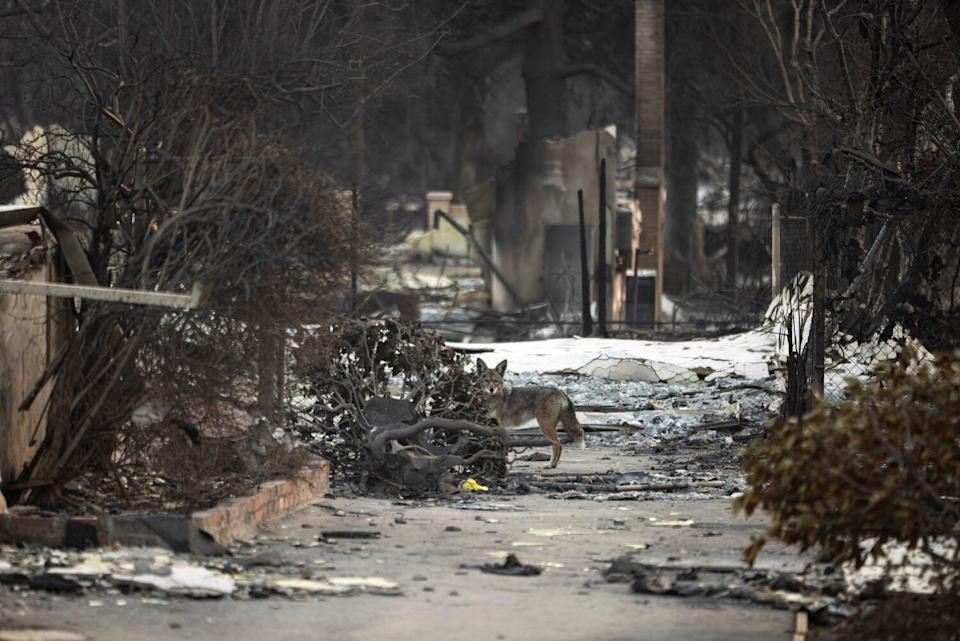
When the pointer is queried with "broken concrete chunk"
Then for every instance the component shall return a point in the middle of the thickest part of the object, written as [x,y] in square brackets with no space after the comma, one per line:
[292,584]
[40,634]
[375,584]
[334,586]
[673,523]
[184,580]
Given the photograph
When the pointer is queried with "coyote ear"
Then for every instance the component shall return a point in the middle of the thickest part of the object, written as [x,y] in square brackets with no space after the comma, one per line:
[501,368]
[481,366]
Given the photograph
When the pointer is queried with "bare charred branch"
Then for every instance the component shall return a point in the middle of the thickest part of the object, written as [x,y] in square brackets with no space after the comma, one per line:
[501,31]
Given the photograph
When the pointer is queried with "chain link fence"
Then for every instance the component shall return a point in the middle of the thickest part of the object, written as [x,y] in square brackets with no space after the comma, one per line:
[844,269]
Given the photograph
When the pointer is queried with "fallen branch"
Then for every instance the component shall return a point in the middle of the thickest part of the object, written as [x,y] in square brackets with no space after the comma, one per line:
[732,425]
[49,372]
[761,388]
[398,431]
[599,427]
[605,408]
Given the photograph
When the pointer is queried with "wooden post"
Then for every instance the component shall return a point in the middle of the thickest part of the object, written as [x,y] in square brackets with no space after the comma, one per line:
[586,319]
[602,253]
[636,287]
[818,330]
[815,341]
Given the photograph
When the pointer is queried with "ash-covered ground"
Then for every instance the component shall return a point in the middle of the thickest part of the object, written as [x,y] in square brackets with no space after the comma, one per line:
[656,440]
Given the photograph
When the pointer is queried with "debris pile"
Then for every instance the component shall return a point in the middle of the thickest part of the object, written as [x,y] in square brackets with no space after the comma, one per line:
[394,408]
[159,468]
[688,435]
[821,591]
[151,571]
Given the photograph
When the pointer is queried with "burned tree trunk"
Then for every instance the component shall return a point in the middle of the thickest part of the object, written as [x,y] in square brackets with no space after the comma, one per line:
[682,253]
[680,223]
[542,73]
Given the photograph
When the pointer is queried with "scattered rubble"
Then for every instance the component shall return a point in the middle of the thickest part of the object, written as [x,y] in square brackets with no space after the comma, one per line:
[695,430]
[180,579]
[748,355]
[152,570]
[820,591]
[395,410]
[901,569]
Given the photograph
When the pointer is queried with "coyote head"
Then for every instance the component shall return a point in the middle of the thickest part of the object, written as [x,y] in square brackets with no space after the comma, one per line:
[491,380]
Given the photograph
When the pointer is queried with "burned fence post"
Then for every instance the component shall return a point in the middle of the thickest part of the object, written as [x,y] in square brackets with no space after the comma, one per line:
[818,337]
[636,284]
[586,319]
[602,252]
[775,282]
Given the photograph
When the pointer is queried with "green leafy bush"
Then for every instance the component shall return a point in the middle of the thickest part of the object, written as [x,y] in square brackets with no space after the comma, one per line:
[881,467]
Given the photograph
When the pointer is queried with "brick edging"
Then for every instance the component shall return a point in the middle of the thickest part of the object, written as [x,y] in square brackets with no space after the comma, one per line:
[203,532]
[238,517]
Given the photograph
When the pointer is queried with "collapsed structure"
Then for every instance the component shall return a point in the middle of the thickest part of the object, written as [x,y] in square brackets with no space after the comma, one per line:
[524,229]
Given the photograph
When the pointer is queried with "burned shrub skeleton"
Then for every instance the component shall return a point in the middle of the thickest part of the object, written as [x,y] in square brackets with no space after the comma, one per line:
[880,469]
[395,409]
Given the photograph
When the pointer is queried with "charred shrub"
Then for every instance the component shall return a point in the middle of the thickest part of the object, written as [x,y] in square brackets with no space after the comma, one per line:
[881,467]
[359,362]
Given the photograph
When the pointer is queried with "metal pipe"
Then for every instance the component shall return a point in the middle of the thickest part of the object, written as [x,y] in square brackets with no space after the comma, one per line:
[586,320]
[602,252]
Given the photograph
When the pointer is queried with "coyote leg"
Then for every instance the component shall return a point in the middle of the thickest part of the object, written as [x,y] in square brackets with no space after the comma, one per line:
[549,429]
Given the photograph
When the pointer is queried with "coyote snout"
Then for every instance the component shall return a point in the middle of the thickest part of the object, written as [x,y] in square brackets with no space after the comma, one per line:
[512,406]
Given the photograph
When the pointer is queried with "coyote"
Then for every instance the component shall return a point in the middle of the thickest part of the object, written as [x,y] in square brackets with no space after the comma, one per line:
[512,406]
